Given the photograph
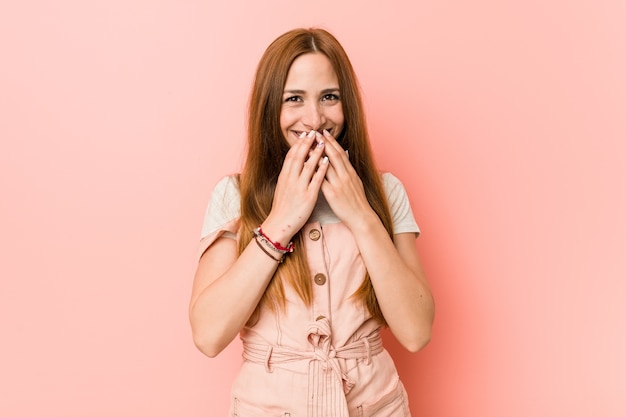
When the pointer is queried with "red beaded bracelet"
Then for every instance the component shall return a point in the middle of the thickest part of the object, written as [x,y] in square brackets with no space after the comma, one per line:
[277,246]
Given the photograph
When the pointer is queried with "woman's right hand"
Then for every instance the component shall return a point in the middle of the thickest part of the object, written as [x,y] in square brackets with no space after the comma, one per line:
[228,285]
[297,187]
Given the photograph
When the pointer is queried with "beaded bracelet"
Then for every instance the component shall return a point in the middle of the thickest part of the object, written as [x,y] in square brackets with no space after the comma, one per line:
[274,245]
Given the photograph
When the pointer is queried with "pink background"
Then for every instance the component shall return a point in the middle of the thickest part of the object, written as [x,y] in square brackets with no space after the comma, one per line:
[505,120]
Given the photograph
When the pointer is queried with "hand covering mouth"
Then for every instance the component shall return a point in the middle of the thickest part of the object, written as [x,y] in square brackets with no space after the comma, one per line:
[321,131]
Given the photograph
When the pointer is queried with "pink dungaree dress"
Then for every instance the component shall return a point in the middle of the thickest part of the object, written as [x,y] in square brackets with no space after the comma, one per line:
[322,360]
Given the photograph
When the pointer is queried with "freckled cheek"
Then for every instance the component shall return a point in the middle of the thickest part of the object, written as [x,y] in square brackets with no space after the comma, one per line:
[335,113]
[286,123]
[287,120]
[338,118]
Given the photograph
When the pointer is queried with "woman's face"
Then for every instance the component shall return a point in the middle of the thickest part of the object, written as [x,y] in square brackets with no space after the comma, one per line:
[311,98]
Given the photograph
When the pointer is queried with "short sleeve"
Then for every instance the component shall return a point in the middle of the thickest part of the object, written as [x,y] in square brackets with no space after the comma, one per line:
[222,213]
[399,205]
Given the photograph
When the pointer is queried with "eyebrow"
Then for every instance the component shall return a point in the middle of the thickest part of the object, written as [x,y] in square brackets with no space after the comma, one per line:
[325,91]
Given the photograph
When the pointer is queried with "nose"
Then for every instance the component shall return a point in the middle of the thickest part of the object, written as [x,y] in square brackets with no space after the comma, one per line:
[313,117]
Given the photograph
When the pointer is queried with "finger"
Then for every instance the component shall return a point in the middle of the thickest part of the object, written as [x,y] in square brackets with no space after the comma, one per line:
[332,141]
[315,155]
[334,150]
[319,142]
[319,177]
[336,154]
[301,147]
[331,171]
[298,152]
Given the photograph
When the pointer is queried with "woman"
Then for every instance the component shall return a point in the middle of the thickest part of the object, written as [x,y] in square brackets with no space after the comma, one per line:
[310,251]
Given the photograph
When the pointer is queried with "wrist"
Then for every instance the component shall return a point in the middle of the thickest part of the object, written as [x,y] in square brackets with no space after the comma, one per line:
[277,233]
[273,244]
[363,224]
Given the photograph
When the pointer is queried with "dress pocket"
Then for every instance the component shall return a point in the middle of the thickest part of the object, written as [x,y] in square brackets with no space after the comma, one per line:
[393,404]
[239,408]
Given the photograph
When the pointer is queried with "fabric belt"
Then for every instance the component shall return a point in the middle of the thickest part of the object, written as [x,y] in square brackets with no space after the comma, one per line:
[327,390]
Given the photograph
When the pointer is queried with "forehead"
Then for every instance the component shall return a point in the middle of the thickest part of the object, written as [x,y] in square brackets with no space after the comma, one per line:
[311,69]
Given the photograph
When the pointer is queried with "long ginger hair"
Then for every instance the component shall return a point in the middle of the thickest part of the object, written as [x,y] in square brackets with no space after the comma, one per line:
[267,148]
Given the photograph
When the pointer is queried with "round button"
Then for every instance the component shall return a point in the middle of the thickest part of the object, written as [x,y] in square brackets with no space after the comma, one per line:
[314,234]
[320,279]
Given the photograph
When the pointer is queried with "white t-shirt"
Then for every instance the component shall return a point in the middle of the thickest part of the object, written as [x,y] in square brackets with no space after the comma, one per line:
[224,207]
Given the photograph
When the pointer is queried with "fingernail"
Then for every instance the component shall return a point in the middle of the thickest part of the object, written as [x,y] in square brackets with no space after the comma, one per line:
[318,134]
[302,135]
[325,160]
[326,132]
[312,133]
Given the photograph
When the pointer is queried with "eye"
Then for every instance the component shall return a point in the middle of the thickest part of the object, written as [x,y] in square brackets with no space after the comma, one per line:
[330,97]
[293,99]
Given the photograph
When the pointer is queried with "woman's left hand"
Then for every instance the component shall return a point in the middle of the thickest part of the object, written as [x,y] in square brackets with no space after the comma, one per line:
[393,266]
[342,186]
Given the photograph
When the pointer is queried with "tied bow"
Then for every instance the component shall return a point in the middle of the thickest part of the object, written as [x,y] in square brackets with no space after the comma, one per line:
[318,336]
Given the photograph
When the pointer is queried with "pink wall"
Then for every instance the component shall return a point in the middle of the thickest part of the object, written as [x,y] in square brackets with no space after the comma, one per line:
[506,121]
